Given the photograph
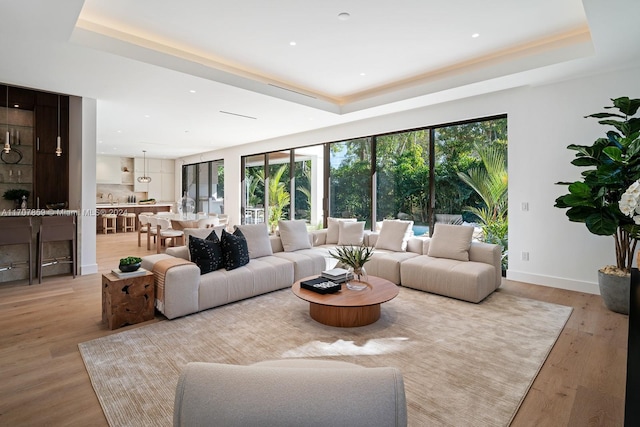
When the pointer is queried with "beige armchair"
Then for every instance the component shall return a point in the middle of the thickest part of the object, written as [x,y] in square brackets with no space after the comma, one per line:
[290,393]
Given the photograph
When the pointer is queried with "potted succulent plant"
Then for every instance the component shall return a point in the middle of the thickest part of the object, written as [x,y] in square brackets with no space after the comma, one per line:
[129,264]
[613,165]
[354,257]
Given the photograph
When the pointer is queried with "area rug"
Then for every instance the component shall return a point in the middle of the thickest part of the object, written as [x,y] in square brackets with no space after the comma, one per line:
[462,363]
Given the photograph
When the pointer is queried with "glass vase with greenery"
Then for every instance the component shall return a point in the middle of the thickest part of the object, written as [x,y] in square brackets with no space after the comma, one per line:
[354,257]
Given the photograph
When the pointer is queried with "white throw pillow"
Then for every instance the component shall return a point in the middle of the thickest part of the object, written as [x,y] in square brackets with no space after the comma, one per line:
[257,236]
[333,229]
[394,235]
[294,235]
[351,233]
[451,241]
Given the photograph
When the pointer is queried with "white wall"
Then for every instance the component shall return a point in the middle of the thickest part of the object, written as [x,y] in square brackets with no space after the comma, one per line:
[542,121]
[82,176]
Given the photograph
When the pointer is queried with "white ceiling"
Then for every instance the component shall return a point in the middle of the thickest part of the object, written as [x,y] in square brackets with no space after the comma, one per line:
[165,72]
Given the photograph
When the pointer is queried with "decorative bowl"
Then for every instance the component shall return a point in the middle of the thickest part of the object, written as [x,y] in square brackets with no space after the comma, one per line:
[129,267]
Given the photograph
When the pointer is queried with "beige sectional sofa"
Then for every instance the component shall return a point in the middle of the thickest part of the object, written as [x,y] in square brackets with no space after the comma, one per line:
[448,264]
[455,266]
[187,291]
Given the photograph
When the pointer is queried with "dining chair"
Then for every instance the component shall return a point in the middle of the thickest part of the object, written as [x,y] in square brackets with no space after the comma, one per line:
[164,232]
[152,230]
[143,226]
[208,222]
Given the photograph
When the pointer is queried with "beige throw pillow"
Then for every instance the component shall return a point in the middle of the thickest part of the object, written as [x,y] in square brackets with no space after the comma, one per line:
[351,233]
[451,241]
[333,229]
[394,235]
[294,235]
[257,236]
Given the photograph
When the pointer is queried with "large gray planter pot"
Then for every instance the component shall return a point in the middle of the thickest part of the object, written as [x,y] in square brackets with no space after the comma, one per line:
[615,291]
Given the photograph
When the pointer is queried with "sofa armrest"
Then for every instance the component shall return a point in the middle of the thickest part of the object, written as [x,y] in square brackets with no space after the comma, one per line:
[489,254]
[181,286]
[179,252]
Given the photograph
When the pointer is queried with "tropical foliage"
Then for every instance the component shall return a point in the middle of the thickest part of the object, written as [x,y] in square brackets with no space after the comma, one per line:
[613,164]
[490,182]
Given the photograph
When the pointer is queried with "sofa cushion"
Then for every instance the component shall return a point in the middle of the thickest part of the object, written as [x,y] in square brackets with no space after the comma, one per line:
[333,229]
[350,233]
[206,253]
[294,235]
[258,242]
[451,241]
[394,235]
[235,252]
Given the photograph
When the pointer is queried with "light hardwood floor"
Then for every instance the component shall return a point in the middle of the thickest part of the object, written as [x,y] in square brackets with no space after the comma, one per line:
[43,380]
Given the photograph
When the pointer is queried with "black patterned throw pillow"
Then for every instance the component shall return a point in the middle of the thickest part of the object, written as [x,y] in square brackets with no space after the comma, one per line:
[213,236]
[235,251]
[206,253]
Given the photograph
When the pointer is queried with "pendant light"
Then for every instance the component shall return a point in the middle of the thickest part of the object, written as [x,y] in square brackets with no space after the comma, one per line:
[144,178]
[58,147]
[7,143]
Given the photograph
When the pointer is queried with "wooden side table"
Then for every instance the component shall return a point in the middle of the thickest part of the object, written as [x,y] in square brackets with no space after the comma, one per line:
[127,301]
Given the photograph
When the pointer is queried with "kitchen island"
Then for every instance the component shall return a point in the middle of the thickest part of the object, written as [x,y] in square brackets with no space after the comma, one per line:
[125,208]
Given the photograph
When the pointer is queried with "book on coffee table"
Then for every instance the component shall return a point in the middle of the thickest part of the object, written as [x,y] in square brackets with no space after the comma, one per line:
[320,285]
[124,275]
[337,275]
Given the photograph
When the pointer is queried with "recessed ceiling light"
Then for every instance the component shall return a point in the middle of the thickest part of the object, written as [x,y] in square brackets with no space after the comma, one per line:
[119,131]
[147,116]
[292,43]
[99,142]
[344,16]
[192,91]
[475,35]
[363,74]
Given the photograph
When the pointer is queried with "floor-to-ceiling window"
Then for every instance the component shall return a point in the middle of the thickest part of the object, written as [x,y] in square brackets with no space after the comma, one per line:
[402,178]
[350,179]
[454,173]
[471,179]
[254,197]
[204,183]
[292,188]
[279,187]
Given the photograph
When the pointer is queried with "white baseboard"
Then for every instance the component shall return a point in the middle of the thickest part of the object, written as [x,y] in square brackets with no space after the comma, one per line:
[88,269]
[554,282]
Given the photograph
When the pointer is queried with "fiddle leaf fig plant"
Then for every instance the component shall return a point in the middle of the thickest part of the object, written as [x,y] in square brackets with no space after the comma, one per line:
[612,165]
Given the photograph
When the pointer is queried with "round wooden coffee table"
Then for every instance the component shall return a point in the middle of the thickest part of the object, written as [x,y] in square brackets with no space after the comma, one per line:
[348,308]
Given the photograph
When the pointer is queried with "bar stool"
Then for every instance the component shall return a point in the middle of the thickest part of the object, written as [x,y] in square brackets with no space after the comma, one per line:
[109,222]
[128,222]
[57,229]
[17,231]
